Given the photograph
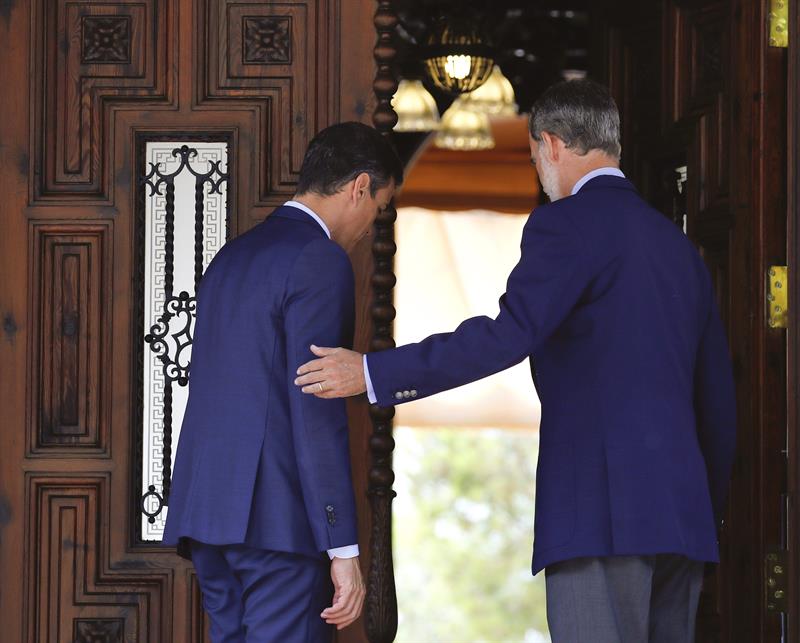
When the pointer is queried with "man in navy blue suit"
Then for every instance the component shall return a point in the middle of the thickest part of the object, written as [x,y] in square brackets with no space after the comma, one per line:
[262,491]
[616,309]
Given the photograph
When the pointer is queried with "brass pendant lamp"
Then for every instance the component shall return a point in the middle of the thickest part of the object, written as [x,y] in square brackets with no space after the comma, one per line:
[464,129]
[457,59]
[495,97]
[415,107]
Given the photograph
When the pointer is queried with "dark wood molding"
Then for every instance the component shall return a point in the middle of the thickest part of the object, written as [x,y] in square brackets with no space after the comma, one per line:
[70,264]
[381,605]
[63,514]
[257,55]
[793,348]
[110,58]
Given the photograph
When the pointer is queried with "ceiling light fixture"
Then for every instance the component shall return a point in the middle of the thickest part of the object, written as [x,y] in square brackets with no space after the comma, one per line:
[573,74]
[495,97]
[416,108]
[458,61]
[464,129]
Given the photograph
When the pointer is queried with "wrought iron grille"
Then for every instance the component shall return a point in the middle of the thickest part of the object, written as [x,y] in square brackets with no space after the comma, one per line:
[186,217]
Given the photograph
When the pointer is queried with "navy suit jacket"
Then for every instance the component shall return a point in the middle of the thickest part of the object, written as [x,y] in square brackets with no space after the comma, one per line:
[616,309]
[259,462]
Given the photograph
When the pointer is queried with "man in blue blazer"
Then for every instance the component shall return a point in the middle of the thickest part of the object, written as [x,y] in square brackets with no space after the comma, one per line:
[262,485]
[617,311]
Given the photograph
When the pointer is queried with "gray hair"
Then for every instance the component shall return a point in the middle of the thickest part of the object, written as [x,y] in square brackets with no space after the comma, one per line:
[581,113]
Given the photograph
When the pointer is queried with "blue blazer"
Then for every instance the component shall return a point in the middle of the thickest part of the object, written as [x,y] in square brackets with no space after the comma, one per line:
[616,309]
[258,462]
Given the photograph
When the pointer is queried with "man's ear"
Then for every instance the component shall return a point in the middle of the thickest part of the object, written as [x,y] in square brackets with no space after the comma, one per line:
[553,146]
[361,185]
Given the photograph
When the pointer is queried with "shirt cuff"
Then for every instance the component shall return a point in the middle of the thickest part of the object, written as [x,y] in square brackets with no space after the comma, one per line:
[373,399]
[348,551]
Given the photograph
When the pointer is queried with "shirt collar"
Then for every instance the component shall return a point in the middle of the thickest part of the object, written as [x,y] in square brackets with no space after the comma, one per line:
[601,171]
[309,212]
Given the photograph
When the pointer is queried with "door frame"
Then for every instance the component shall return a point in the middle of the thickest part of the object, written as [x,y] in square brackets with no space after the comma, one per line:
[793,344]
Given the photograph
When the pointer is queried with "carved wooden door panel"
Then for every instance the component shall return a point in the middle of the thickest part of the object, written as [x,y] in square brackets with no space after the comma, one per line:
[703,101]
[93,93]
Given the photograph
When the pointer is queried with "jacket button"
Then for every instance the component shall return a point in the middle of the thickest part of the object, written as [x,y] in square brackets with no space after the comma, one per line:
[406,394]
[414,393]
[398,395]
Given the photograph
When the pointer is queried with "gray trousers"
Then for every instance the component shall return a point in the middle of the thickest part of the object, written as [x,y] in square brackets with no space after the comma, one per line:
[623,599]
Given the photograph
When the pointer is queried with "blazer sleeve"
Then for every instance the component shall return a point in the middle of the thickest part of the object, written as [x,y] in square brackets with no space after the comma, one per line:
[554,268]
[715,407]
[319,309]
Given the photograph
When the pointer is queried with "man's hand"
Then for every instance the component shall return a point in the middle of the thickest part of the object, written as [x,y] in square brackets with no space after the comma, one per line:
[349,593]
[338,373]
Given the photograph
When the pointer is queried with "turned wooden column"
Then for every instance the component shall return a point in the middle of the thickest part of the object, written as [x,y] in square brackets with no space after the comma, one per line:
[381,607]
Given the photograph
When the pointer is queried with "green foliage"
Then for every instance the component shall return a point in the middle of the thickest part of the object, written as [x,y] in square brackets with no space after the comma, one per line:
[463,528]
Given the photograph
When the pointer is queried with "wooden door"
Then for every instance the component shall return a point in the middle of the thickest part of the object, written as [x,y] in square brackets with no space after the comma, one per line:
[87,86]
[703,101]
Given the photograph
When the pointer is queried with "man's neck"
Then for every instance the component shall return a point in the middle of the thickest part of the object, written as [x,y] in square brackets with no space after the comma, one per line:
[585,164]
[321,207]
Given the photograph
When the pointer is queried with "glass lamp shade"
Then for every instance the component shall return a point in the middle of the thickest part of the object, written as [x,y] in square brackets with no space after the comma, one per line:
[495,97]
[464,129]
[573,74]
[458,62]
[416,109]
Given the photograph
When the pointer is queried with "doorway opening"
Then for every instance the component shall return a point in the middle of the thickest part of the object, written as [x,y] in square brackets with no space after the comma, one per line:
[465,460]
[693,124]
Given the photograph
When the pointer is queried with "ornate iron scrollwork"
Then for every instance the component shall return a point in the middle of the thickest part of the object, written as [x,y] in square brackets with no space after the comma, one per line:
[170,336]
[176,369]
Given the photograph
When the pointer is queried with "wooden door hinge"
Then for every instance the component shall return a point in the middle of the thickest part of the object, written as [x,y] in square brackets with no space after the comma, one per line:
[778,296]
[778,23]
[776,574]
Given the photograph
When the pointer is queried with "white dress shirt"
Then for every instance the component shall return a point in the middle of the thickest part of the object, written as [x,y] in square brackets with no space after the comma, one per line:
[602,171]
[309,212]
[348,551]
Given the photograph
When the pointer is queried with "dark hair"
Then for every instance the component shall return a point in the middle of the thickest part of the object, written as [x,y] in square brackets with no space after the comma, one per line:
[341,152]
[581,113]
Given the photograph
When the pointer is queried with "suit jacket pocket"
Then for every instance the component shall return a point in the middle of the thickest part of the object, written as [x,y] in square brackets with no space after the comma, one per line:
[554,522]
